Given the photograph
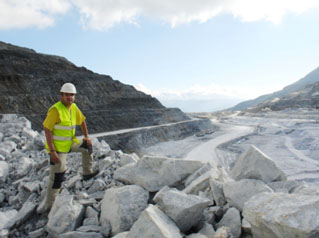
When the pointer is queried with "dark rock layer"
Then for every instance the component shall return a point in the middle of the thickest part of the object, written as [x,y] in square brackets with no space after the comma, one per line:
[30,84]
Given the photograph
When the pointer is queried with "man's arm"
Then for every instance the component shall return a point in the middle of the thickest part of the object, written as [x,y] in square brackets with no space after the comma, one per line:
[86,133]
[53,154]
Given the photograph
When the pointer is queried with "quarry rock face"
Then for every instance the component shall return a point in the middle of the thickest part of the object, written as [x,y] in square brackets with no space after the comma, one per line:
[30,83]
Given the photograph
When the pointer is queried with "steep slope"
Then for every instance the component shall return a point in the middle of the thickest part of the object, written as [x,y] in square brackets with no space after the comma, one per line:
[307,97]
[30,84]
[309,79]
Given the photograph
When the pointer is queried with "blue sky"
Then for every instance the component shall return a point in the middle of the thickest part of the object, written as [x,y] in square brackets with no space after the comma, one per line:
[175,49]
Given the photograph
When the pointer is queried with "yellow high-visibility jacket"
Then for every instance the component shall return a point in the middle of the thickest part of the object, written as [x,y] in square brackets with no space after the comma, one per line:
[64,132]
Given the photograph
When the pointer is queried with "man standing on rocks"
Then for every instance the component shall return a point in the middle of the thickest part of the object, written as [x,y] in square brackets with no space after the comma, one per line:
[59,128]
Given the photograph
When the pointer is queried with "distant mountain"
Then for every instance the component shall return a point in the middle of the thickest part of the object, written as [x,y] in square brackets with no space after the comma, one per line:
[30,84]
[299,87]
[200,105]
[307,97]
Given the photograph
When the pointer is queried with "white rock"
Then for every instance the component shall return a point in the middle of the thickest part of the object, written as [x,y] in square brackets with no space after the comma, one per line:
[105,163]
[98,185]
[32,186]
[15,138]
[307,189]
[29,134]
[205,168]
[25,212]
[5,154]
[283,215]
[4,171]
[24,166]
[79,234]
[207,230]
[254,164]
[128,158]
[198,235]
[232,220]
[24,122]
[2,195]
[37,233]
[6,217]
[65,215]
[201,183]
[8,145]
[4,233]
[122,206]
[6,118]
[184,209]
[223,232]
[246,226]
[122,235]
[238,192]
[101,148]
[154,223]
[217,192]
[284,186]
[153,173]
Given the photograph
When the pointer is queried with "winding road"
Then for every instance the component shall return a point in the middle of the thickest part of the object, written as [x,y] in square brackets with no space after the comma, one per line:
[207,151]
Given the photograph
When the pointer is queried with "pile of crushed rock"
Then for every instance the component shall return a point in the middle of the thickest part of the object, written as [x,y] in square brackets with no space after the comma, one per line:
[151,196]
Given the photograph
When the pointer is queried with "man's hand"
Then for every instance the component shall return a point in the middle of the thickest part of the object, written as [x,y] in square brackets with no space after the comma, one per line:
[88,141]
[54,158]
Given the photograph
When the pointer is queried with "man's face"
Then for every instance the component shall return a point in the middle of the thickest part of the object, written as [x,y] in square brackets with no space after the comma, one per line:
[67,99]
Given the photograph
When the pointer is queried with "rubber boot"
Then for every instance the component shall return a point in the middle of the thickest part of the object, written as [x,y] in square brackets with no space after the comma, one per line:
[51,195]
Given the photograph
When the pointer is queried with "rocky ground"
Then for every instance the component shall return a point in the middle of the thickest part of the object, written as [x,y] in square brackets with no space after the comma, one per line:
[152,196]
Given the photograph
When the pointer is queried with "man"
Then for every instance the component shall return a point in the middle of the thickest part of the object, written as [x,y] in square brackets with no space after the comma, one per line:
[59,128]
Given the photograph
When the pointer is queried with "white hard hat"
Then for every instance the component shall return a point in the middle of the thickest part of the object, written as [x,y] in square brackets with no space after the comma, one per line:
[68,88]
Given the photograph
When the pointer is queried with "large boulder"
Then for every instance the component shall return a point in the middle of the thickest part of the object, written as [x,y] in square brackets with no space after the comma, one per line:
[281,215]
[153,173]
[154,223]
[122,206]
[184,209]
[65,215]
[254,164]
[238,192]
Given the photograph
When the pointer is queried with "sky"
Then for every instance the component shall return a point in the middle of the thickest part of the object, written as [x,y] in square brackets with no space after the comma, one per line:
[193,51]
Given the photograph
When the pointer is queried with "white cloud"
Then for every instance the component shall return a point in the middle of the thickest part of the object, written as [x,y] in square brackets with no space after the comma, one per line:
[27,13]
[105,14]
[210,91]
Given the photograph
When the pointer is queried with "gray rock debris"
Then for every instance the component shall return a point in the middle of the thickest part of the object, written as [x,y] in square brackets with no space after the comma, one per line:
[119,202]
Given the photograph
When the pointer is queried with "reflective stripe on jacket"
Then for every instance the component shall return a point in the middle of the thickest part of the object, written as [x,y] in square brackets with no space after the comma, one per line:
[64,132]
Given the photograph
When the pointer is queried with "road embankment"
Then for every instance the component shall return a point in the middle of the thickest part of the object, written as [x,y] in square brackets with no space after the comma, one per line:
[131,140]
